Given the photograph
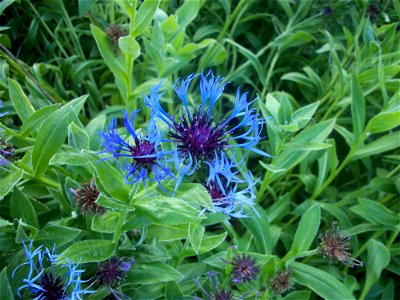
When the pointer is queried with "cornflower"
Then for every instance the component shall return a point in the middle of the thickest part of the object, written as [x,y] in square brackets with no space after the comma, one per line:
[46,279]
[112,272]
[224,187]
[244,268]
[200,134]
[143,158]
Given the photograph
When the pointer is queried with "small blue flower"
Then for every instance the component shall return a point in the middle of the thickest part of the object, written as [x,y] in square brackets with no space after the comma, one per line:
[1,106]
[143,157]
[201,134]
[229,193]
[49,279]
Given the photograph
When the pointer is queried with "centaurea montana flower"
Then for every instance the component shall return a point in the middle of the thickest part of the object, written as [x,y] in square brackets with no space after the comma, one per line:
[48,279]
[216,292]
[229,193]
[144,159]
[201,134]
[112,272]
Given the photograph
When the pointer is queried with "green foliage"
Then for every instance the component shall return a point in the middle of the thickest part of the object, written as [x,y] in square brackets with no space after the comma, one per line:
[324,76]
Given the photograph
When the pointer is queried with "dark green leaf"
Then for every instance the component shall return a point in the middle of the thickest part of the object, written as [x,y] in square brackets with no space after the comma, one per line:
[151,273]
[321,282]
[20,101]
[56,235]
[357,106]
[52,134]
[89,251]
[307,230]
[21,207]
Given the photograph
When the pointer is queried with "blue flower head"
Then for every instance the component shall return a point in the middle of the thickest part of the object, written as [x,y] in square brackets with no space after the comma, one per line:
[141,156]
[230,194]
[215,292]
[200,133]
[49,279]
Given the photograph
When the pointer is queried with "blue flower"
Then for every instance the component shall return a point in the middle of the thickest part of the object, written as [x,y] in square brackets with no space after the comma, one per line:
[48,278]
[1,106]
[141,156]
[229,193]
[201,134]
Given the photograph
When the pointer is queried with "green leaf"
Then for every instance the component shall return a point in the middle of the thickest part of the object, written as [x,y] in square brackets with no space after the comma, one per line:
[357,106]
[5,287]
[77,137]
[89,251]
[195,235]
[151,273]
[20,101]
[383,144]
[111,203]
[168,232]
[4,223]
[321,282]
[378,259]
[258,226]
[3,5]
[375,212]
[70,158]
[145,15]
[291,157]
[21,207]
[116,187]
[296,295]
[306,231]
[167,210]
[383,122]
[304,114]
[186,13]
[149,253]
[37,118]
[9,181]
[207,244]
[56,235]
[92,128]
[115,63]
[52,134]
[129,46]
[106,222]
[288,39]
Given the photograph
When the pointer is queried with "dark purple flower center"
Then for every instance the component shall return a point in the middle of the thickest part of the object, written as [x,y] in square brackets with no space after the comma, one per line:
[196,135]
[223,295]
[111,272]
[244,269]
[214,190]
[145,149]
[53,288]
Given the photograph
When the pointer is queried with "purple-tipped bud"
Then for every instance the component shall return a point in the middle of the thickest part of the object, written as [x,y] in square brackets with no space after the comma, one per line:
[113,271]
[244,269]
